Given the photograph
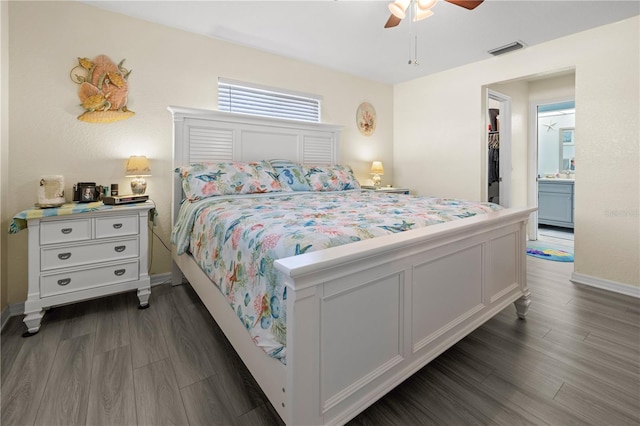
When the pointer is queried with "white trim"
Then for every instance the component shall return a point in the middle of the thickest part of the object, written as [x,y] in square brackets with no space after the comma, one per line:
[532,177]
[12,310]
[505,145]
[16,309]
[614,286]
[4,317]
[159,279]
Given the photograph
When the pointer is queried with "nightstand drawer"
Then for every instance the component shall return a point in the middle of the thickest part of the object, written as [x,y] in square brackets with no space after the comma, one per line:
[116,226]
[62,231]
[64,257]
[65,282]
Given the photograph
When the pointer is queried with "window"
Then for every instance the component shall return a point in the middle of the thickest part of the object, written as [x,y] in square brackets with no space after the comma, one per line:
[246,98]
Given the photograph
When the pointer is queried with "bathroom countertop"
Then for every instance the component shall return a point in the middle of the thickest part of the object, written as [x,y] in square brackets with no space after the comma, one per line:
[558,179]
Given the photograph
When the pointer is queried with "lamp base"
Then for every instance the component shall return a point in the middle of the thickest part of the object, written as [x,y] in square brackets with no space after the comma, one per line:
[376,180]
[138,186]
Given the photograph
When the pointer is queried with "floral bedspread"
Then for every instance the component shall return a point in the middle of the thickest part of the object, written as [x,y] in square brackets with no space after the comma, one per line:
[236,239]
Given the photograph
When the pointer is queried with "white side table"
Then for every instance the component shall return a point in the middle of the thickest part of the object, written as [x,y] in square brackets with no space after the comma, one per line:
[87,254]
[389,190]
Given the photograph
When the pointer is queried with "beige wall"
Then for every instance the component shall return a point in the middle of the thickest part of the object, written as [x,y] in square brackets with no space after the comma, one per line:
[4,145]
[518,91]
[438,127]
[170,67]
[439,144]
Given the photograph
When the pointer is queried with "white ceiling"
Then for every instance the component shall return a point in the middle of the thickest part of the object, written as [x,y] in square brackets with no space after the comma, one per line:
[349,35]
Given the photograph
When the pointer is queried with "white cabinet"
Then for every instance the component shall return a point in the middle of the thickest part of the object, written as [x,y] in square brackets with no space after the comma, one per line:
[555,202]
[85,255]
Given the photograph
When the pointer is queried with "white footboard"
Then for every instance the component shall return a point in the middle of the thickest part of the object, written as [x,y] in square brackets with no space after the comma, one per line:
[363,317]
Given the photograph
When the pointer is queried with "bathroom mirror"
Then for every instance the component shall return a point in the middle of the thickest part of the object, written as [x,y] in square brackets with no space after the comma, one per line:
[567,148]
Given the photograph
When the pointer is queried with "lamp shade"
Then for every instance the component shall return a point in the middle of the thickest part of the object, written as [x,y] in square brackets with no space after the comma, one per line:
[422,14]
[138,165]
[426,4]
[376,168]
[399,7]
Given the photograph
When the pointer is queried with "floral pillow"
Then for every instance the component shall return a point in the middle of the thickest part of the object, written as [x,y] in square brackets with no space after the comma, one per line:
[204,180]
[291,175]
[330,178]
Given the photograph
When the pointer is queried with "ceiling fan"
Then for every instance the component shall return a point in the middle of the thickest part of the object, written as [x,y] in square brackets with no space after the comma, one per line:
[422,9]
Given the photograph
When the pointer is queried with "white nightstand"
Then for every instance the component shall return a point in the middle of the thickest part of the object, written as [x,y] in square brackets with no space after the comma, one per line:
[388,190]
[84,255]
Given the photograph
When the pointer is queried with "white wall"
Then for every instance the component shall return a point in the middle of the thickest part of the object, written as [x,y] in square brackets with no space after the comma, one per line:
[439,146]
[169,67]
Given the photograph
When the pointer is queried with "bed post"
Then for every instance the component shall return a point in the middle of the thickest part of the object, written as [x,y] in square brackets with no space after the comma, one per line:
[178,159]
[303,355]
[522,305]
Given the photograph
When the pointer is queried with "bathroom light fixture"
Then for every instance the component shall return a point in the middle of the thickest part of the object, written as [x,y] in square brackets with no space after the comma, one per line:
[137,167]
[377,170]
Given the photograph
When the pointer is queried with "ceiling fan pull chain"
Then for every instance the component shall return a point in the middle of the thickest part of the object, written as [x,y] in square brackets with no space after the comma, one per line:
[414,61]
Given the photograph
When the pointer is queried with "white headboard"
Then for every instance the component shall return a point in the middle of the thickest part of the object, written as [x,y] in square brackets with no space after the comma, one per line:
[201,135]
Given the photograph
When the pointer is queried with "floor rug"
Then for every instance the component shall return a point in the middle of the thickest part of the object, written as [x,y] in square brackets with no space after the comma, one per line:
[545,251]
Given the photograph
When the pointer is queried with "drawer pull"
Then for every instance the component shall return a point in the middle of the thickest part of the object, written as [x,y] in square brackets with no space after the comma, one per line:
[66,230]
[64,256]
[119,272]
[117,225]
[120,249]
[64,281]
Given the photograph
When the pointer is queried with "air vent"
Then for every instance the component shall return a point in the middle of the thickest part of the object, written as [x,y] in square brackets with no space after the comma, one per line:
[506,48]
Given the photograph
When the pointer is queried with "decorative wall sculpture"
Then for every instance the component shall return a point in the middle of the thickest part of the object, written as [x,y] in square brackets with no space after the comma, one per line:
[366,118]
[103,89]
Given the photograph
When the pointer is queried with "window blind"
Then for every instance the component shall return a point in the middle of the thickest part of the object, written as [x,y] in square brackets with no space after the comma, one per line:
[245,98]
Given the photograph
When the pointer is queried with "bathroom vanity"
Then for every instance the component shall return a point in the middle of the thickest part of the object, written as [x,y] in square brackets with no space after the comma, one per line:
[555,202]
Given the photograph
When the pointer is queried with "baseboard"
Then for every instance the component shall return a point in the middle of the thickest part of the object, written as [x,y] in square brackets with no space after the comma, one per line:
[159,279]
[18,308]
[4,317]
[11,310]
[601,283]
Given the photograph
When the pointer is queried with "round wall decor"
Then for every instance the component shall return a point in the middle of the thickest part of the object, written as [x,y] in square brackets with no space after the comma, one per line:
[366,118]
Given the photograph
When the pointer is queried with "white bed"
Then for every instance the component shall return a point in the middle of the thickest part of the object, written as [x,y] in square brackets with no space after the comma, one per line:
[429,287]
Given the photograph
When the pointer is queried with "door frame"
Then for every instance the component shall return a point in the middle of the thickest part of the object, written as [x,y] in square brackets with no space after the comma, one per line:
[505,145]
[532,178]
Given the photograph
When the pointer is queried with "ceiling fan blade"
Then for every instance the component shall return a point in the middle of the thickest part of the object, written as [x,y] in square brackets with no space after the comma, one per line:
[392,21]
[467,4]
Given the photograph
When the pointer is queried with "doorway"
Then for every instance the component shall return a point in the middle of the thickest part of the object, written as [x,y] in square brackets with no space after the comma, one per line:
[498,141]
[554,125]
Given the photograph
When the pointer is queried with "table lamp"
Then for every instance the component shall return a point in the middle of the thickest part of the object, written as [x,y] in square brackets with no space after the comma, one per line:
[137,167]
[377,170]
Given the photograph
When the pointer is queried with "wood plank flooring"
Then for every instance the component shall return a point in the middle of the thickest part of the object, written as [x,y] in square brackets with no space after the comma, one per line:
[555,235]
[575,360]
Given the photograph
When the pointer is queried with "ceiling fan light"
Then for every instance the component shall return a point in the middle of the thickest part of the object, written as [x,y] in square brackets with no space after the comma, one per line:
[421,14]
[426,5]
[398,8]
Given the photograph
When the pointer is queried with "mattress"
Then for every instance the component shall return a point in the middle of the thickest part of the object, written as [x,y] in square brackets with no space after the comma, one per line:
[236,239]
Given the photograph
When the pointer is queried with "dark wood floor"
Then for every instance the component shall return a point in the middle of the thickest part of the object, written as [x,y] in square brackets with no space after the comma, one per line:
[575,360]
